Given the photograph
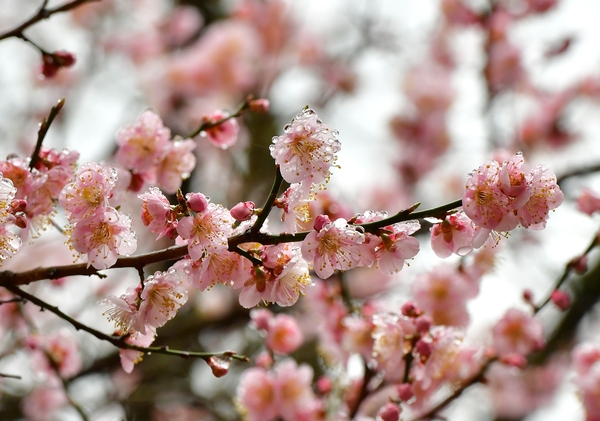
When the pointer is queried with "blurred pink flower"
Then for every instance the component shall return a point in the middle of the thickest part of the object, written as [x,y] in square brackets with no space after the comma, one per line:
[517,333]
[283,334]
[225,134]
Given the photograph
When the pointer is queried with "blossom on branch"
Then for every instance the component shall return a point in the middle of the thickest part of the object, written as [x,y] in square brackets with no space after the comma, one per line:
[306,150]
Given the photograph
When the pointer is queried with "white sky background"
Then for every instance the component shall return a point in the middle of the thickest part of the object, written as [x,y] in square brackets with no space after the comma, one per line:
[363,122]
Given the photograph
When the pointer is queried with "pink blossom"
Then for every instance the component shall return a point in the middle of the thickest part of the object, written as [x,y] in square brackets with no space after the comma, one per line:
[104,237]
[483,200]
[396,246]
[157,213]
[295,204]
[88,193]
[124,311]
[257,394]
[130,357]
[290,273]
[284,335]
[293,386]
[561,299]
[546,195]
[306,150]
[177,164]
[357,336]
[63,350]
[517,333]
[143,144]
[225,134]
[336,246]
[256,288]
[261,318]
[588,201]
[391,335]
[163,294]
[206,232]
[455,234]
[197,202]
[442,293]
[42,402]
[17,171]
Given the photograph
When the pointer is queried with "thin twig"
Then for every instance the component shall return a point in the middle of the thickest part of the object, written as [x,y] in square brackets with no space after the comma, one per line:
[206,125]
[266,209]
[41,14]
[44,126]
[120,342]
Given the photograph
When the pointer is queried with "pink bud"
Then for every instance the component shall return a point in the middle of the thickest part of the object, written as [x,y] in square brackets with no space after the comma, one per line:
[410,309]
[243,211]
[17,205]
[219,365]
[259,105]
[579,264]
[528,296]
[424,348]
[21,222]
[423,323]
[264,360]
[405,392]
[197,202]
[321,221]
[390,412]
[52,62]
[136,183]
[324,385]
[561,299]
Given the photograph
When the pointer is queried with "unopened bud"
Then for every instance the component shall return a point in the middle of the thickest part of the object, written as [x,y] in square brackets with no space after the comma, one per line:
[561,299]
[516,360]
[410,309]
[197,202]
[579,264]
[243,211]
[390,412]
[54,61]
[424,348]
[219,365]
[405,392]
[423,323]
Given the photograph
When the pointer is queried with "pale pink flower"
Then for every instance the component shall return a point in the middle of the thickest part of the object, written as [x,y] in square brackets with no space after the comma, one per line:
[223,135]
[7,193]
[457,234]
[283,334]
[10,243]
[257,395]
[293,386]
[396,246]
[223,267]
[124,311]
[504,69]
[42,402]
[546,196]
[514,182]
[442,293]
[163,294]
[157,213]
[391,342]
[585,356]
[290,273]
[143,144]
[256,288]
[177,164]
[483,200]
[336,246]
[16,169]
[357,336]
[306,150]
[206,232]
[89,192]
[130,357]
[588,201]
[63,350]
[104,237]
[295,204]
[517,333]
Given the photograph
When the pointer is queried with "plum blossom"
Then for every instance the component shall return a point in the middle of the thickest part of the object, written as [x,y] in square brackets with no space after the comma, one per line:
[517,333]
[143,144]
[157,213]
[390,335]
[257,395]
[483,200]
[546,195]
[103,238]
[295,203]
[336,245]
[163,294]
[225,134]
[88,193]
[457,234]
[586,362]
[588,201]
[130,357]
[396,246]
[306,150]
[177,164]
[124,311]
[283,334]
[206,232]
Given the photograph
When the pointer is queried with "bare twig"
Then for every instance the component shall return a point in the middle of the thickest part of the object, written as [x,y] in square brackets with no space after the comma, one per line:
[41,14]
[206,125]
[44,126]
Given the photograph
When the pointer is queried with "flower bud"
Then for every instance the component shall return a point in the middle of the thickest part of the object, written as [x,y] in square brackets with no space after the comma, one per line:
[561,299]
[410,309]
[424,348]
[405,392]
[243,211]
[259,105]
[389,412]
[423,323]
[321,221]
[197,202]
[219,365]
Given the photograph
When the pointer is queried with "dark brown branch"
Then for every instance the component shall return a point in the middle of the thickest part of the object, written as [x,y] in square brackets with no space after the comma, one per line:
[44,126]
[43,13]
